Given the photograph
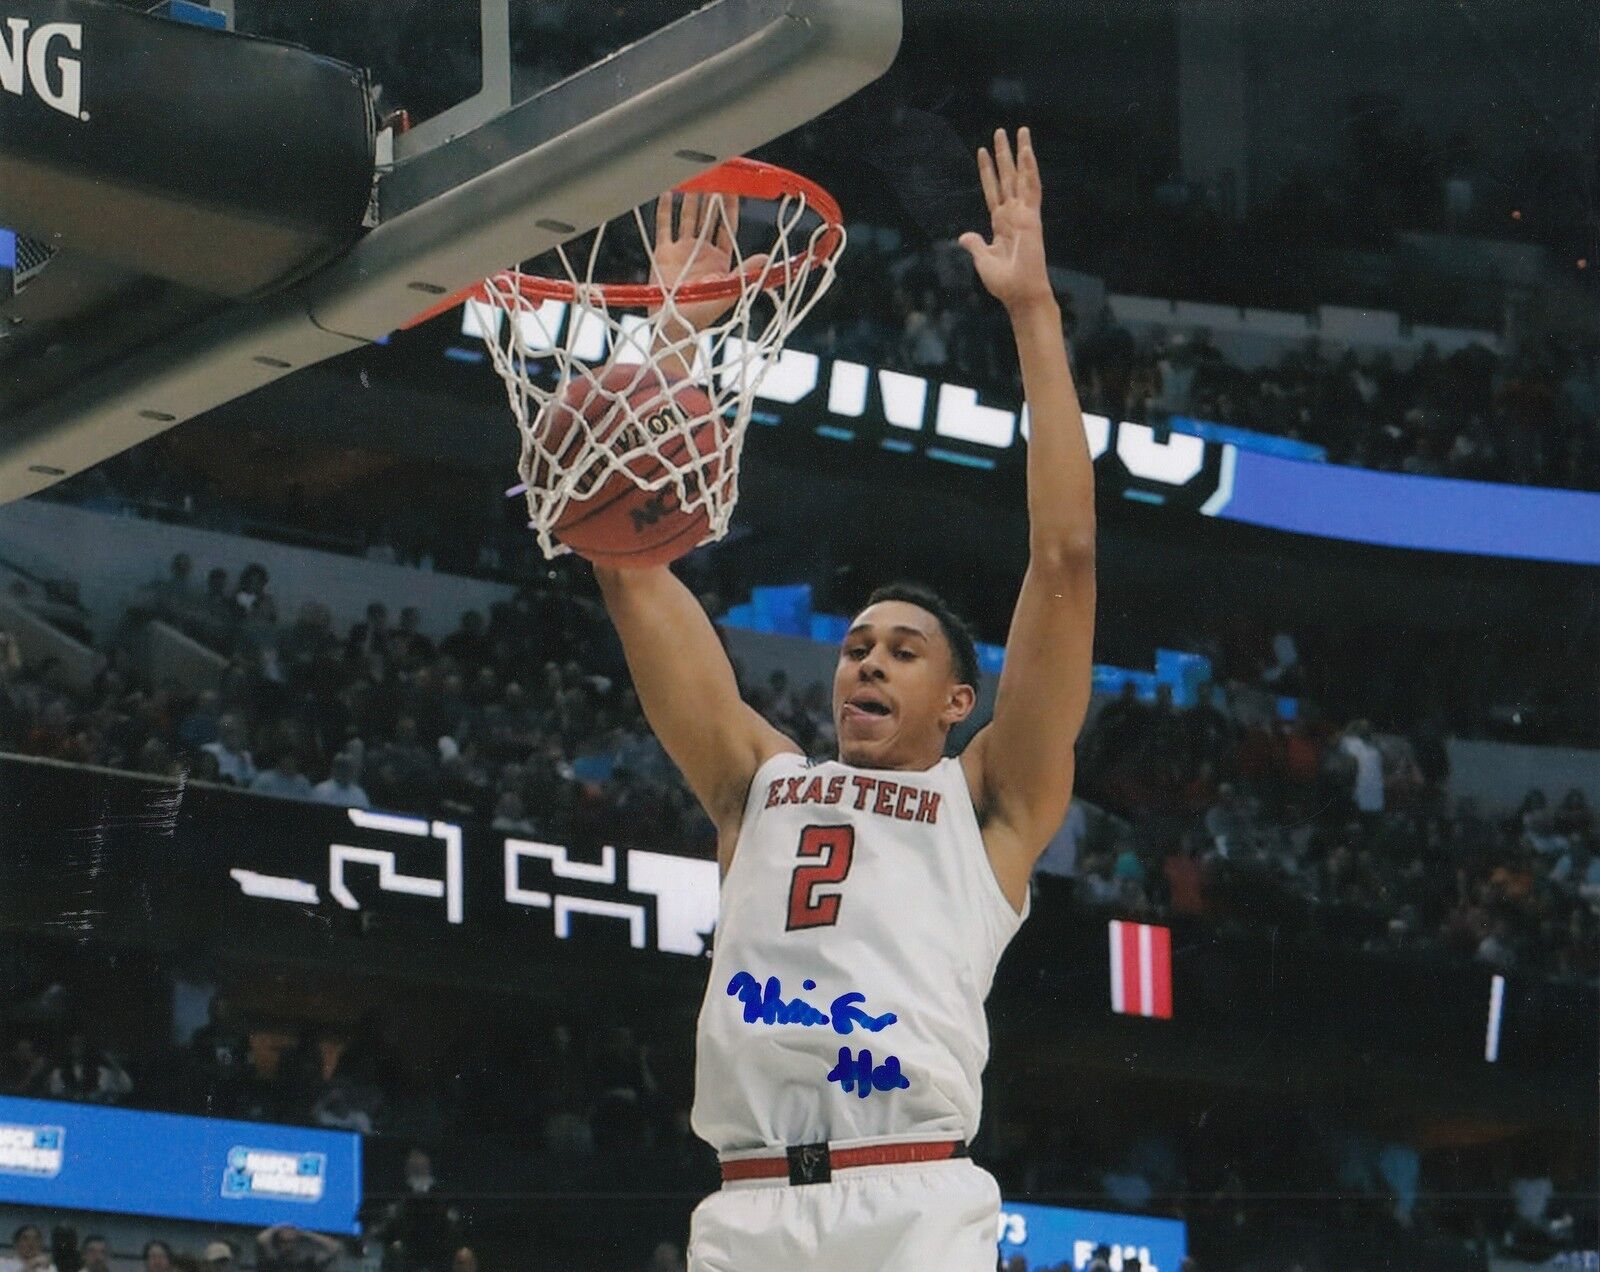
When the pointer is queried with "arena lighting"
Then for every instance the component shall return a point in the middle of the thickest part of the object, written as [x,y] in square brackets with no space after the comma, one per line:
[1491,1043]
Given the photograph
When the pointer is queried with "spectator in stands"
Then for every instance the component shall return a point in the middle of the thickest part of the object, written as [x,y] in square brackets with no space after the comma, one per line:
[169,595]
[28,1253]
[307,648]
[1120,721]
[177,588]
[285,1248]
[217,1257]
[1096,884]
[347,1105]
[216,608]
[468,644]
[1367,789]
[421,1232]
[1129,872]
[340,786]
[416,644]
[96,1254]
[1284,675]
[1497,949]
[232,752]
[368,638]
[220,1053]
[403,770]
[157,1256]
[26,1070]
[64,1248]
[666,1257]
[252,587]
[87,1075]
[258,636]
[1579,869]
[1574,817]
[203,724]
[284,779]
[923,344]
[1228,822]
[464,1260]
[216,584]
[510,815]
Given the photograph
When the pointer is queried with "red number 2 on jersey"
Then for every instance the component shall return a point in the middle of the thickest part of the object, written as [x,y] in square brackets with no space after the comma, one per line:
[835,846]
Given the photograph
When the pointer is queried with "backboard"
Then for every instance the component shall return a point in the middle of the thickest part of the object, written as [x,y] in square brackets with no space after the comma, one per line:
[525,122]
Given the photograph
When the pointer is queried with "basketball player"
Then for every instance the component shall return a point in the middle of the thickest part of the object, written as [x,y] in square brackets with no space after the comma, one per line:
[865,901]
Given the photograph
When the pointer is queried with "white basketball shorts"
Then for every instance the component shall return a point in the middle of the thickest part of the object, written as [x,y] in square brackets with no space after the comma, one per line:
[924,1217]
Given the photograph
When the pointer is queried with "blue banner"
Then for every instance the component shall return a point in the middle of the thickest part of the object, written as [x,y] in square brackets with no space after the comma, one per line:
[83,1157]
[1248,439]
[1400,510]
[1049,1235]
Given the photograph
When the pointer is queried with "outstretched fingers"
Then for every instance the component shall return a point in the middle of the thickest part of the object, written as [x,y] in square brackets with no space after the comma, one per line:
[1005,164]
[991,184]
[664,218]
[726,210]
[1007,175]
[1029,184]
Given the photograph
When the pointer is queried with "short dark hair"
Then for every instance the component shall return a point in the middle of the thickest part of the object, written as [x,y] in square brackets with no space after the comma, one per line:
[151,1245]
[27,1227]
[963,648]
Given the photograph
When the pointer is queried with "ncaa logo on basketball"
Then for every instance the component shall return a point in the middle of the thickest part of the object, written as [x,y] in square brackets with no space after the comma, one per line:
[40,59]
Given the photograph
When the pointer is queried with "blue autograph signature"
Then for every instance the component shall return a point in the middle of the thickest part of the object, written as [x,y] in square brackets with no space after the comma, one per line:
[858,1073]
[766,1006]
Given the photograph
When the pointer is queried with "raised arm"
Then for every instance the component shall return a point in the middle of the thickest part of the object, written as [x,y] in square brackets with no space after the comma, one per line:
[687,688]
[1020,765]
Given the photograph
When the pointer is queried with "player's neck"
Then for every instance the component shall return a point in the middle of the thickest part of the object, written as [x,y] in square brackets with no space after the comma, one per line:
[919,764]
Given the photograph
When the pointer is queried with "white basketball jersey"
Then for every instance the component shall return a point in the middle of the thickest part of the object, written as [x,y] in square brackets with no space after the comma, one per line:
[857,936]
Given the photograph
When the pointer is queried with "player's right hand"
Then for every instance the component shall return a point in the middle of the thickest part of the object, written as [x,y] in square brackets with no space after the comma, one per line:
[701,247]
[1012,265]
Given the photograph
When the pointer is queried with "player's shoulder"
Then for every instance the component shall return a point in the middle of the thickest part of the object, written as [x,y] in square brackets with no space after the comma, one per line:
[767,748]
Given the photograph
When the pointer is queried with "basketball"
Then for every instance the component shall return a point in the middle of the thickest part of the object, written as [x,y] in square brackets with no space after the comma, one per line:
[611,520]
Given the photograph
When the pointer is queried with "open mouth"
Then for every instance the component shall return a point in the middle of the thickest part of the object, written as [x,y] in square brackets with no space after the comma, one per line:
[868,706]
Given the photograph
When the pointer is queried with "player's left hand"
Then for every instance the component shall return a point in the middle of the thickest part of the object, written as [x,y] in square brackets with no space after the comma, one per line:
[701,247]
[1012,266]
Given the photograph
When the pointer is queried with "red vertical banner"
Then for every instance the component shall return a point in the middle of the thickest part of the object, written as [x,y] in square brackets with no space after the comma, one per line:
[1161,972]
[1141,969]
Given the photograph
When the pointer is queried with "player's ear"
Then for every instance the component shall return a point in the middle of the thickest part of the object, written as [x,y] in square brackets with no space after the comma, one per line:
[963,698]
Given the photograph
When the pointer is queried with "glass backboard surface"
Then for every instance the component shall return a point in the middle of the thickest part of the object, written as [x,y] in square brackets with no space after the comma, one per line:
[427,56]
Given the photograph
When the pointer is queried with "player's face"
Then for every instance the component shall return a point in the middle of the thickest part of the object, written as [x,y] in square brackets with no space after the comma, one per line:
[895,694]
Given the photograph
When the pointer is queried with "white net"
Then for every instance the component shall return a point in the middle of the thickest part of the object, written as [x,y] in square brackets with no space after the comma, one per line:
[607,374]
